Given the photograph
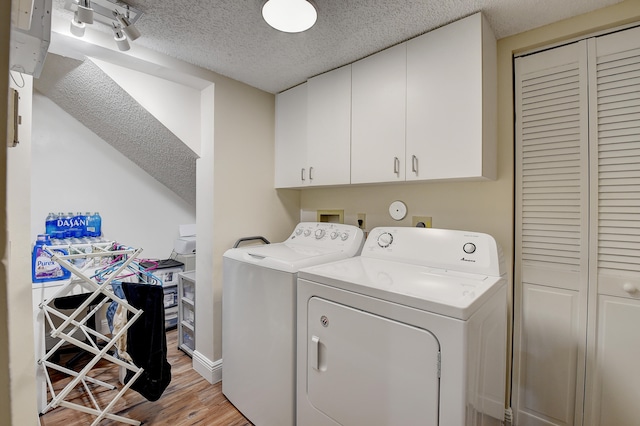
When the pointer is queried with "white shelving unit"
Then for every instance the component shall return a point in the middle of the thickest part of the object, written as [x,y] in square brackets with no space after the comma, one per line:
[187,312]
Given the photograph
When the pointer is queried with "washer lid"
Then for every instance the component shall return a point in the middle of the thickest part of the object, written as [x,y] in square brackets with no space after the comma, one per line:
[286,257]
[454,294]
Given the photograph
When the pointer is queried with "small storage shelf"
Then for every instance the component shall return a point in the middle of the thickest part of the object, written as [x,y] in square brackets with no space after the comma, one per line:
[187,312]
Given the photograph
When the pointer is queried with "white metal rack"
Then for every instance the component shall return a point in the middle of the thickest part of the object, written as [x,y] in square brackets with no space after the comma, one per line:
[99,293]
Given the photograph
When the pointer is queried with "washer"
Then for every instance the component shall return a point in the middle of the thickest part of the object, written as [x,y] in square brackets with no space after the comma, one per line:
[411,332]
[259,313]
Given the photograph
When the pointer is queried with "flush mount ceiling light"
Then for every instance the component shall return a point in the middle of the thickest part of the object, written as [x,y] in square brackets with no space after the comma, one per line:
[105,12]
[289,16]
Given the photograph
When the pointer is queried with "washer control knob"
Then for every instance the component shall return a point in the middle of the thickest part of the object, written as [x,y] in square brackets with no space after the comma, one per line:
[385,239]
[298,231]
[344,236]
[469,248]
[334,235]
[319,233]
[307,232]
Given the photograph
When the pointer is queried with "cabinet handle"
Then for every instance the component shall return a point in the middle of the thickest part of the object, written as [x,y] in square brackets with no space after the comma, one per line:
[414,164]
[630,288]
[310,173]
[302,174]
[396,165]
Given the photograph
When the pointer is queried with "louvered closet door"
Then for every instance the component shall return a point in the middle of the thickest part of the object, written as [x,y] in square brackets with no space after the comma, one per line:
[613,385]
[551,236]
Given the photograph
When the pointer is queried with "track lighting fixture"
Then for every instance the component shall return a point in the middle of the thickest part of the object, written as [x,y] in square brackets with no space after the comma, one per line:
[115,13]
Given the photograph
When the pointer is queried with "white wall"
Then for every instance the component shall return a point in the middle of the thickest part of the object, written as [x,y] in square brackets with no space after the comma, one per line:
[74,170]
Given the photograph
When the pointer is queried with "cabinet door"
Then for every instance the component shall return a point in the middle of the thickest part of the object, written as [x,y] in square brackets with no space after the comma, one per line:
[451,102]
[378,117]
[329,127]
[291,137]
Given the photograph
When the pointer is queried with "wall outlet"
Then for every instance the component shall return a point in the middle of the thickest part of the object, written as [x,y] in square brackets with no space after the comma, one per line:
[362,217]
[426,220]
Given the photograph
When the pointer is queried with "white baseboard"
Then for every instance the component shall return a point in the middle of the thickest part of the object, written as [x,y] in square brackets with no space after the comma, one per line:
[210,370]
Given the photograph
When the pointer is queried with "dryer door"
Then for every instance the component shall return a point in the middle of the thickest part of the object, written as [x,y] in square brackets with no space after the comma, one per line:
[364,369]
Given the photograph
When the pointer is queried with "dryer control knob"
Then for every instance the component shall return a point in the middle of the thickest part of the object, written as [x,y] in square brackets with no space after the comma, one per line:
[385,239]
[334,235]
[298,231]
[307,232]
[344,236]
[469,248]
[319,233]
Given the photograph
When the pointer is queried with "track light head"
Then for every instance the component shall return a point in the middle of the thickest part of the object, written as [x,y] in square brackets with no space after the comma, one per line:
[85,12]
[77,27]
[129,29]
[120,38]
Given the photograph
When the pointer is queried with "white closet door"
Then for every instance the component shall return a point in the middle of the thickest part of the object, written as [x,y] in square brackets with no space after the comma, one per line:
[551,236]
[613,377]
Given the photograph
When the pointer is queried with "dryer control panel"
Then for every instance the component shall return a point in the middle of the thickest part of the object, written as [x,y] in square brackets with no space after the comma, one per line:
[462,251]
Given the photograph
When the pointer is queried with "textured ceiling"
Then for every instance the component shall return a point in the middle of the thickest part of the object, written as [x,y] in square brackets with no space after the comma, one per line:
[230,37]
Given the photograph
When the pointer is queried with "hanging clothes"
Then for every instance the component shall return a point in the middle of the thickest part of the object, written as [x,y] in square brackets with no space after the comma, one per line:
[147,340]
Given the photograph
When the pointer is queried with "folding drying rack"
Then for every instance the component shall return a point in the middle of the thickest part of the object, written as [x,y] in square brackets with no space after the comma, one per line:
[102,266]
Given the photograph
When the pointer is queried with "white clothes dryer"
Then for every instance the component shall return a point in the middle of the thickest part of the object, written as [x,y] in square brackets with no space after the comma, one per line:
[259,314]
[412,332]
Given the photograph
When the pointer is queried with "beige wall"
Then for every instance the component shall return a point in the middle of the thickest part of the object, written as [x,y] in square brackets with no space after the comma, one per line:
[5,397]
[245,202]
[21,338]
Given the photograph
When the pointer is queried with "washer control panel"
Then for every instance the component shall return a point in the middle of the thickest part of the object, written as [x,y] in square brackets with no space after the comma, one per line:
[325,234]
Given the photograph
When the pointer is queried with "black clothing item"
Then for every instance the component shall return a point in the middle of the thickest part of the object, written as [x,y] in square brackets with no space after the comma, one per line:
[147,341]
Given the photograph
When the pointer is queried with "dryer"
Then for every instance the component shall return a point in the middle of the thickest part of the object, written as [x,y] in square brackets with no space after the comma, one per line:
[259,314]
[411,332]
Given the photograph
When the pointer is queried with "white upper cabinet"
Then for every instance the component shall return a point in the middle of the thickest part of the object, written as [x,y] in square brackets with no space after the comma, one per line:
[378,117]
[329,127]
[451,102]
[291,137]
[421,110]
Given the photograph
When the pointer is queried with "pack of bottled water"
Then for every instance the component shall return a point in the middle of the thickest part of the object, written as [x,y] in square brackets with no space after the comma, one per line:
[65,233]
[62,226]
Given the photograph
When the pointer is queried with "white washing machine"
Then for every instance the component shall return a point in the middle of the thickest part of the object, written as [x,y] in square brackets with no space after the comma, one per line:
[412,332]
[259,314]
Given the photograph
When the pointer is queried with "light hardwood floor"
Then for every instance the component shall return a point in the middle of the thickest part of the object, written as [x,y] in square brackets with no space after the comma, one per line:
[189,399]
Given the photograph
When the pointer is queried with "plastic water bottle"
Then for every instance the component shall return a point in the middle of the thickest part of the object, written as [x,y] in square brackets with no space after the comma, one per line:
[78,225]
[67,223]
[87,219]
[50,224]
[94,225]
